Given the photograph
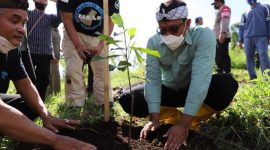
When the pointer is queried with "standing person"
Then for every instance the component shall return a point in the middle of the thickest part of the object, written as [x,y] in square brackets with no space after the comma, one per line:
[223,36]
[254,33]
[55,82]
[181,77]
[17,110]
[27,60]
[199,21]
[83,22]
[39,29]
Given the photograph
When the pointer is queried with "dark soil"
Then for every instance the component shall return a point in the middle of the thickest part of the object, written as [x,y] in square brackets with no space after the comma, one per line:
[114,136]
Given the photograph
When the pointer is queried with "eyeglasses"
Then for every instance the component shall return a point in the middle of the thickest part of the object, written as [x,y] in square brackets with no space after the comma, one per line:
[173,29]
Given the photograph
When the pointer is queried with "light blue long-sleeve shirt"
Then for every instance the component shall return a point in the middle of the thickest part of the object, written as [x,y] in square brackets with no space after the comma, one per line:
[255,22]
[189,66]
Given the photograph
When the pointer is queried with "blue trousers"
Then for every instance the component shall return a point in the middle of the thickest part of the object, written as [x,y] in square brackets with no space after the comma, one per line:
[261,44]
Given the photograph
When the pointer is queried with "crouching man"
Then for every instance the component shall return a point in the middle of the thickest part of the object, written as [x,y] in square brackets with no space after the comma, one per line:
[181,77]
[17,110]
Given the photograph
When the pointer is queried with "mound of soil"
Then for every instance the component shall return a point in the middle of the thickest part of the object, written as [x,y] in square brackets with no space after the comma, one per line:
[114,136]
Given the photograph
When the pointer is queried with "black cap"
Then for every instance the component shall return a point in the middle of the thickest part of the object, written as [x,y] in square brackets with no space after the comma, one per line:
[16,4]
[222,1]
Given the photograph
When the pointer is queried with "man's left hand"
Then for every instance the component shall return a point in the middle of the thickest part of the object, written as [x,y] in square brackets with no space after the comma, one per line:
[177,135]
[52,123]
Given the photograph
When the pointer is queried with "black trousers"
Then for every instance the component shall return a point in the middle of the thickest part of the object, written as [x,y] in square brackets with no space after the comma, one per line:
[28,64]
[223,60]
[223,88]
[17,102]
[90,78]
[41,65]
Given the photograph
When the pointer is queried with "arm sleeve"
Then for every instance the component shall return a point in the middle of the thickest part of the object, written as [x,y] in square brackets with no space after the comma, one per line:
[225,19]
[56,19]
[16,68]
[64,5]
[153,84]
[202,67]
[242,28]
[113,7]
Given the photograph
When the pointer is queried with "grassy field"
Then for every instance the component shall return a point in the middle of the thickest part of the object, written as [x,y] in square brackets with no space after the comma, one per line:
[244,123]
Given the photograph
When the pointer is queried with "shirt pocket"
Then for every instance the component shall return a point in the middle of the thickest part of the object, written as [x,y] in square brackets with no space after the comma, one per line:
[184,59]
[166,62]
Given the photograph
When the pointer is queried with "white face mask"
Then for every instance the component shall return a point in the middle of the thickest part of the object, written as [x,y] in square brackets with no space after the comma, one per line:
[172,41]
[5,45]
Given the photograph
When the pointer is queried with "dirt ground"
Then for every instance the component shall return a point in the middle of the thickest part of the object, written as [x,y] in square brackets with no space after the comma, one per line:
[114,136]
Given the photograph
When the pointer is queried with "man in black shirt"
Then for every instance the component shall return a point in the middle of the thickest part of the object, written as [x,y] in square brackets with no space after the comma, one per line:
[83,22]
[13,122]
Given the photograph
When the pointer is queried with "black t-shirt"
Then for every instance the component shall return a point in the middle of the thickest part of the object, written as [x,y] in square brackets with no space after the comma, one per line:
[11,67]
[88,14]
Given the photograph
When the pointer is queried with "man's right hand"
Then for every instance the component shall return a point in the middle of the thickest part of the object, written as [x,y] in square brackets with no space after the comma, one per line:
[152,125]
[68,143]
[82,51]
[241,45]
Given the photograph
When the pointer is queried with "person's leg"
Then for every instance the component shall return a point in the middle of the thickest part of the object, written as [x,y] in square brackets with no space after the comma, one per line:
[140,106]
[74,85]
[90,80]
[169,99]
[218,57]
[17,102]
[249,44]
[226,56]
[42,63]
[262,46]
[223,88]
[98,71]
[55,78]
[223,60]
[257,60]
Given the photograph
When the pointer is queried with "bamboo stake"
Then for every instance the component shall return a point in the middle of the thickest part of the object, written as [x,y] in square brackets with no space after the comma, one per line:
[106,67]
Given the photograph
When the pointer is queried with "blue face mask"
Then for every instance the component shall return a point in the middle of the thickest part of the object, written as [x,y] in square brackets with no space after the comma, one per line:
[251,2]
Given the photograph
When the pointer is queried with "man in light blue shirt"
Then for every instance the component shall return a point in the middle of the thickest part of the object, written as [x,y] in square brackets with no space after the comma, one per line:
[254,32]
[181,77]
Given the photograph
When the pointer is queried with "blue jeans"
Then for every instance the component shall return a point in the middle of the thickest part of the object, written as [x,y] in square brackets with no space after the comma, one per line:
[261,44]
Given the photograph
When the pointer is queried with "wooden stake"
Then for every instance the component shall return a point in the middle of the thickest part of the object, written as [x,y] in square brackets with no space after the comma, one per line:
[106,67]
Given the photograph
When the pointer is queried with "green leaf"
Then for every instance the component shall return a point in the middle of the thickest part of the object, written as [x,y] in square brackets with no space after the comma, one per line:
[131,32]
[97,57]
[112,67]
[117,20]
[109,40]
[122,65]
[147,51]
[139,57]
